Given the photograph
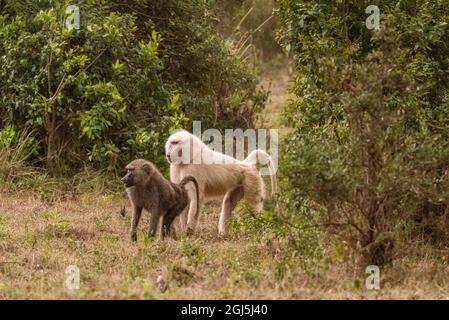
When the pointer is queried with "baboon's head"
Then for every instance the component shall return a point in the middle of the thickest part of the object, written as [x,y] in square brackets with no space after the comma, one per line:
[178,147]
[138,172]
[174,146]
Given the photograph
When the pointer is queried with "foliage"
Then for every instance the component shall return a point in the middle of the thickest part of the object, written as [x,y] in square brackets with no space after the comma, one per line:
[114,89]
[370,145]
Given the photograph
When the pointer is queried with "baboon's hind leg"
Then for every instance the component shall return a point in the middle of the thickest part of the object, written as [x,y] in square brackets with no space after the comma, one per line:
[230,201]
[154,220]
[183,219]
[168,220]
[135,222]
[254,193]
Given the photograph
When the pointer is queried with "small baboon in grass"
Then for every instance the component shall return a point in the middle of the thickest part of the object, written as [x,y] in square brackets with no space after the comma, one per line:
[148,189]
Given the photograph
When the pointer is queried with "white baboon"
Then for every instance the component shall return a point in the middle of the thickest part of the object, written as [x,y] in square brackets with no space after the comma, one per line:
[219,176]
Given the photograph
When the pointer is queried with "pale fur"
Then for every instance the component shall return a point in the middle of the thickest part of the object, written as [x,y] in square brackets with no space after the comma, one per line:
[216,180]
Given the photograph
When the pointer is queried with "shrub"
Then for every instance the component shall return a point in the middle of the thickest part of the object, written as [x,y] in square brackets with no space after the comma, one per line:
[114,89]
[370,145]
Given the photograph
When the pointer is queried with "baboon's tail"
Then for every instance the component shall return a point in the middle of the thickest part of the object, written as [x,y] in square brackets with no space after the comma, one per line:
[252,158]
[183,183]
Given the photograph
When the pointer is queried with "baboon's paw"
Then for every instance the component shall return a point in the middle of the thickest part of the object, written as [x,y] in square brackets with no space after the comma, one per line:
[189,231]
[123,212]
[223,236]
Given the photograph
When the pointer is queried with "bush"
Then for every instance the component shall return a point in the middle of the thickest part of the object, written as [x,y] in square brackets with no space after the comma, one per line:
[114,89]
[370,145]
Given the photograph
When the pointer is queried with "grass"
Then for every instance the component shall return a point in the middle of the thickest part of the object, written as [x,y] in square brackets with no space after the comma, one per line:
[39,240]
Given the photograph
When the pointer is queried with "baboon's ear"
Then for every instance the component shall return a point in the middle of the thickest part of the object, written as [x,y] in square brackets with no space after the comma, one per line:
[147,168]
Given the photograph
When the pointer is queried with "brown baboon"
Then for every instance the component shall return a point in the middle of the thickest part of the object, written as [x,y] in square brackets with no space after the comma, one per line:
[148,189]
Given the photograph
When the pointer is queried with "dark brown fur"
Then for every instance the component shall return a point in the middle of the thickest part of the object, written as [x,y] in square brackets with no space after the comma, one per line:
[148,189]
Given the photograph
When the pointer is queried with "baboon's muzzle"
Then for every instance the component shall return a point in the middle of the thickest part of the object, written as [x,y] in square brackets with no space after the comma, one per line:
[126,181]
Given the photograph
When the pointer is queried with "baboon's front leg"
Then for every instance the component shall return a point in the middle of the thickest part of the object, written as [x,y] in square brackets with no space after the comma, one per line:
[183,219]
[230,201]
[135,222]
[194,207]
[193,213]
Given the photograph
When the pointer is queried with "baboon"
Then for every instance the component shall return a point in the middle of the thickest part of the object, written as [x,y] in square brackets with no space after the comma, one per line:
[148,189]
[219,176]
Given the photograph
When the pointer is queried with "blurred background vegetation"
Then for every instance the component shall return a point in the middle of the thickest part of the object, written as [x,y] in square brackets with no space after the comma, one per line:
[365,163]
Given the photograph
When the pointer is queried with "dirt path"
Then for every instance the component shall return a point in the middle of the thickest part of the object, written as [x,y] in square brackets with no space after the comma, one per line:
[277,82]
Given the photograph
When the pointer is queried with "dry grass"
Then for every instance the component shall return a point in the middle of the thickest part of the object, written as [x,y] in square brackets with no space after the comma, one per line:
[39,240]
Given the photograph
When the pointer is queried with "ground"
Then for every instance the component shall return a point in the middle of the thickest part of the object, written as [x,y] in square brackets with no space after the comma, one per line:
[277,81]
[39,240]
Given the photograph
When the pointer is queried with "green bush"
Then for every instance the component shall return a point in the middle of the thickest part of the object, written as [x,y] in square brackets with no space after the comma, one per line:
[114,89]
[370,145]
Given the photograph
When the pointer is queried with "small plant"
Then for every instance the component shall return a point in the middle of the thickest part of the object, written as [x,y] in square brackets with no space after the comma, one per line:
[192,252]
[15,149]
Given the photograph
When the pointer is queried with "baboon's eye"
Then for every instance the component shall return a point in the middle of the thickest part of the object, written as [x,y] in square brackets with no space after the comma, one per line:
[129,173]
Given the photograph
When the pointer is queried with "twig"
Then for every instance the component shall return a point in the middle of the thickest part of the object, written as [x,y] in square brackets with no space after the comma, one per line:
[243,19]
[262,24]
